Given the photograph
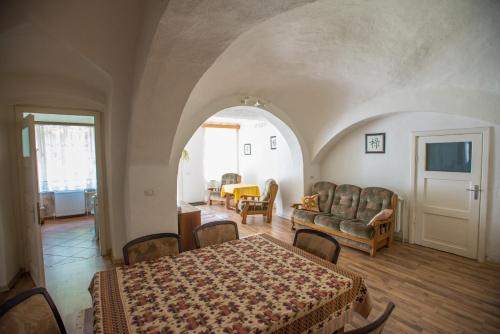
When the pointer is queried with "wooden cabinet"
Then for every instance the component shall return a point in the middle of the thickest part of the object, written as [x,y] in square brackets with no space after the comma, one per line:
[189,218]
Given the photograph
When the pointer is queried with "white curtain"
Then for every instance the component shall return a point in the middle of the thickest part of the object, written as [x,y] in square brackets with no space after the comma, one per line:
[66,157]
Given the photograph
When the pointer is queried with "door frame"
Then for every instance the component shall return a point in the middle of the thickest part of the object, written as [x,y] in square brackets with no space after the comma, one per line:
[103,215]
[483,206]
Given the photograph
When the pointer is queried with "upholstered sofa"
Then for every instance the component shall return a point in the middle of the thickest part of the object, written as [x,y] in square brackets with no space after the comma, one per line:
[345,212]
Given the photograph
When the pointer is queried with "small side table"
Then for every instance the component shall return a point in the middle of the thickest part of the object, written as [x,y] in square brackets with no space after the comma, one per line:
[189,218]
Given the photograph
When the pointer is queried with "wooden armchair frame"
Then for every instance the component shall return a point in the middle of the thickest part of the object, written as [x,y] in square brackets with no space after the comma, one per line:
[251,207]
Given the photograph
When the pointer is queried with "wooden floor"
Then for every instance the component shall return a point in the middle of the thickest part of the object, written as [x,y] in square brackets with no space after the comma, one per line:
[434,292]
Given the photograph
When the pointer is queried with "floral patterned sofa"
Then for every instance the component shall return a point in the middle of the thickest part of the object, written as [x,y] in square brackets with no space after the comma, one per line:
[345,212]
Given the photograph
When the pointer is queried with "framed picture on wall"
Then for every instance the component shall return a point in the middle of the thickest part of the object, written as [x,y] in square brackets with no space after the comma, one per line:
[247,149]
[375,143]
[273,142]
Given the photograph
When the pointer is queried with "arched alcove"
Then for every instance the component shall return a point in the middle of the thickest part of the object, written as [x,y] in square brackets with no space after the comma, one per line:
[285,164]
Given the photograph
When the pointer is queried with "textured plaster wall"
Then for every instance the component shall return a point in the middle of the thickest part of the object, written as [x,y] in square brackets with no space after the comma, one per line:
[347,162]
[78,54]
[10,249]
[322,67]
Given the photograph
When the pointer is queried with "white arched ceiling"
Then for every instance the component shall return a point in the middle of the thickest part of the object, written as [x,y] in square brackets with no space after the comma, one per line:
[332,64]
[327,65]
[189,38]
[36,67]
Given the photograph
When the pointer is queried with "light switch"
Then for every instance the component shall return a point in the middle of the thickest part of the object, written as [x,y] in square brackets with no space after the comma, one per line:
[149,192]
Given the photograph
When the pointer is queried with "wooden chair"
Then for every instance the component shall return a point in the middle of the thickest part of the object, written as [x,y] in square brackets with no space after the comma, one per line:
[32,311]
[47,205]
[214,192]
[377,326]
[318,243]
[151,247]
[215,233]
[261,206]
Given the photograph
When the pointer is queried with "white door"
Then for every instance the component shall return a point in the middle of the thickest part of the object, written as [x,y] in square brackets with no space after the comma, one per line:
[448,193]
[31,203]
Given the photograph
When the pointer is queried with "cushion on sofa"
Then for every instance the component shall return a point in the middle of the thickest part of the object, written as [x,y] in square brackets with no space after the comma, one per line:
[373,200]
[358,228]
[304,215]
[328,221]
[325,190]
[382,215]
[345,201]
[311,203]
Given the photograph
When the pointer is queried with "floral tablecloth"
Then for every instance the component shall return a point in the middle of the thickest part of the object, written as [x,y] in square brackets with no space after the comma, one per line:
[253,285]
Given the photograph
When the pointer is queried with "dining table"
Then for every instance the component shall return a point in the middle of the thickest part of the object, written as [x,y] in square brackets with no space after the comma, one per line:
[257,284]
[237,191]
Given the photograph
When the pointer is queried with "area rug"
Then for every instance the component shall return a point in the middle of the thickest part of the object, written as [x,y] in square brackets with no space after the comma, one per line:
[84,322]
[197,203]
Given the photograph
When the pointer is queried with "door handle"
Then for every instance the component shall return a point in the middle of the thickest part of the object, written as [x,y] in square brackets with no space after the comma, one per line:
[476,191]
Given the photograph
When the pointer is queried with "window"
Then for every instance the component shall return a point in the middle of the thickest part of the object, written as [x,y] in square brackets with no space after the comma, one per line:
[449,157]
[66,157]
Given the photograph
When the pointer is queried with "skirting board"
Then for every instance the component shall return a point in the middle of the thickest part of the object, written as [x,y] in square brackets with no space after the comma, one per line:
[13,281]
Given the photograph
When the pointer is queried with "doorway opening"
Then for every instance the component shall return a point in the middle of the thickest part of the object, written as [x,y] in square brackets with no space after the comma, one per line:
[449,190]
[61,186]
[252,145]
[67,184]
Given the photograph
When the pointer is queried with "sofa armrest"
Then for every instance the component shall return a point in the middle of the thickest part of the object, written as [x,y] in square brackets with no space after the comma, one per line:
[296,206]
[381,222]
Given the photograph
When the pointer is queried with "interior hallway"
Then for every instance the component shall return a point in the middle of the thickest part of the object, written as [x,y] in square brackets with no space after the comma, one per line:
[71,255]
[68,240]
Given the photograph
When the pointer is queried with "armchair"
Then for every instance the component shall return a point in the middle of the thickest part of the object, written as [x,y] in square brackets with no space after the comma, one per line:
[262,206]
[214,192]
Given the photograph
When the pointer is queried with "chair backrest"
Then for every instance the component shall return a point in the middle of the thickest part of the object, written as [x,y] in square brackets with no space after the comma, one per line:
[346,201]
[32,311]
[215,233]
[48,201]
[151,247]
[377,326]
[230,178]
[373,200]
[325,190]
[318,243]
[270,191]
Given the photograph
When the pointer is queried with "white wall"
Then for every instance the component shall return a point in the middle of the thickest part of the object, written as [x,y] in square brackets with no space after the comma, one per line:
[265,163]
[347,162]
[191,181]
[221,153]
[10,252]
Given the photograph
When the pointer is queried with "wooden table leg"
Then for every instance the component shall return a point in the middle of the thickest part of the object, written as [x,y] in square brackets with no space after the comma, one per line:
[227,201]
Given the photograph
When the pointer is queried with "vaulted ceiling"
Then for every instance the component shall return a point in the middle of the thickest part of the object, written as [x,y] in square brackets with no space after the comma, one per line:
[327,64]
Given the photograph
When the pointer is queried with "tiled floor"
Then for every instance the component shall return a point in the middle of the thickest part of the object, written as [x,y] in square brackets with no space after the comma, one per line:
[68,241]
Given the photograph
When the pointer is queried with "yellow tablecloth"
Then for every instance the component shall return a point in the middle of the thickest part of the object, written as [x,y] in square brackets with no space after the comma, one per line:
[238,190]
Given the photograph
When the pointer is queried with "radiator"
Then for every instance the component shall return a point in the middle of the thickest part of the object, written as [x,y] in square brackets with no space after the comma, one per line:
[69,203]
